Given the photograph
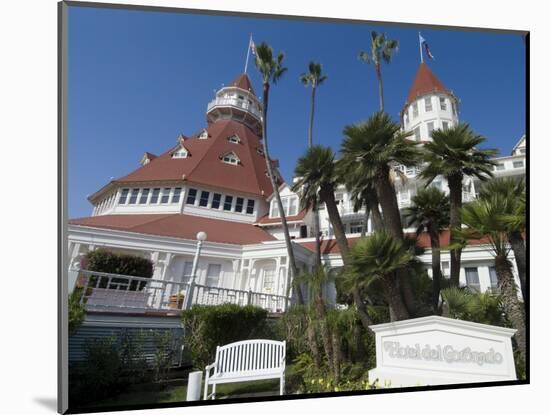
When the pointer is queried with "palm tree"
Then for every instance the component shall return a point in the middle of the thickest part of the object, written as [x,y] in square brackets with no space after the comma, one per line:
[430,213]
[314,78]
[315,281]
[362,192]
[453,153]
[378,257]
[317,180]
[378,145]
[271,70]
[381,49]
[513,191]
[483,219]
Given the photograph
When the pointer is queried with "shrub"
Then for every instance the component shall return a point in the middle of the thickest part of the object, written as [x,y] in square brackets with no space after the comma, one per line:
[103,260]
[77,312]
[209,326]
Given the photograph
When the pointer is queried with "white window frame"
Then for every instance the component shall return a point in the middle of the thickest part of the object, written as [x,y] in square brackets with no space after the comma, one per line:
[180,153]
[428,104]
[231,158]
[235,139]
[416,132]
[431,128]
[415,109]
[443,103]
[203,135]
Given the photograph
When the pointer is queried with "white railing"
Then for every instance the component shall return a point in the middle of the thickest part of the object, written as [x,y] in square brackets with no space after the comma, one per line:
[122,293]
[234,102]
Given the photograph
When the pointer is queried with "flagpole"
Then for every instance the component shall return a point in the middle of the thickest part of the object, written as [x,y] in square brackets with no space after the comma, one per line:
[420,48]
[247,53]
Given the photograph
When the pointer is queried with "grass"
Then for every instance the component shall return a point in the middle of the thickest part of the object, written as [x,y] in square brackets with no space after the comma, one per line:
[176,391]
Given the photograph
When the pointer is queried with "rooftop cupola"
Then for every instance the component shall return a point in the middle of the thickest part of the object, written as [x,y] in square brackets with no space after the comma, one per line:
[429,106]
[238,102]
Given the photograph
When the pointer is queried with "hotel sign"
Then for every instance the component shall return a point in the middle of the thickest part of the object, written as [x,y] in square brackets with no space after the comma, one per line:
[437,350]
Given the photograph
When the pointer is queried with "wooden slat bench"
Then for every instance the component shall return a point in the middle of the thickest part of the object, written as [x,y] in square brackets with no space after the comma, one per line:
[246,361]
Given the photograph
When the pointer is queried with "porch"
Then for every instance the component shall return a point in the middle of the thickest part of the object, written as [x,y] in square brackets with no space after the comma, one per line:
[113,293]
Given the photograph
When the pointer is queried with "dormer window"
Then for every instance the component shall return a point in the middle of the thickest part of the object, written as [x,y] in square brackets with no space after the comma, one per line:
[180,153]
[231,158]
[203,135]
[260,151]
[234,139]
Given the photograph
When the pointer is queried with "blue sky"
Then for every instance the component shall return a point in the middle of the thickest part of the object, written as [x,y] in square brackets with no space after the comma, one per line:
[138,79]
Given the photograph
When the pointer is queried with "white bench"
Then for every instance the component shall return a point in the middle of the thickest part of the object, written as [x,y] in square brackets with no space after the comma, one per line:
[246,361]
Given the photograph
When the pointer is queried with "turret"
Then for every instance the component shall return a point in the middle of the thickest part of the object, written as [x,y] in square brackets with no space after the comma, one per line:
[430,105]
[238,102]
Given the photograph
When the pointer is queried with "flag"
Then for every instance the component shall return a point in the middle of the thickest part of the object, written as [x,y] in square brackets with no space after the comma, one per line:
[426,47]
[252,46]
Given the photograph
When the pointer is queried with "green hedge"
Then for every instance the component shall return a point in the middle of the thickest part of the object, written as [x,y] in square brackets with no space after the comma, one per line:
[209,326]
[103,260]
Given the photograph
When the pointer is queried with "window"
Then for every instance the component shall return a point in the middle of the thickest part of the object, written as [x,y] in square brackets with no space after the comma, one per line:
[442,104]
[269,280]
[231,158]
[494,279]
[165,195]
[430,129]
[180,153]
[228,202]
[445,269]
[428,103]
[203,135]
[417,133]
[155,195]
[522,150]
[406,118]
[274,209]
[239,204]
[445,125]
[250,206]
[499,166]
[216,199]
[356,227]
[293,206]
[187,272]
[303,231]
[260,151]
[133,196]
[518,164]
[234,139]
[339,197]
[415,110]
[454,108]
[144,196]
[191,196]
[176,196]
[123,196]
[472,278]
[213,275]
[204,198]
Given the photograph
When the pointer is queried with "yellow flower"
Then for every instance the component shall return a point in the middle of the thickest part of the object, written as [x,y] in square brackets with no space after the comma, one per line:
[336,389]
[320,381]
[313,381]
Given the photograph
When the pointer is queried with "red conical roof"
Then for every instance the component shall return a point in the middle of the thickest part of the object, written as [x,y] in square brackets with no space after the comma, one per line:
[425,82]
[243,82]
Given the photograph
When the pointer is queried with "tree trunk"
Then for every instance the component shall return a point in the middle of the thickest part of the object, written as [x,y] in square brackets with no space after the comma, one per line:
[436,267]
[323,328]
[337,355]
[455,198]
[518,246]
[372,205]
[327,196]
[317,235]
[361,309]
[392,221]
[311,115]
[512,306]
[291,259]
[398,311]
[312,342]
[365,222]
[380,86]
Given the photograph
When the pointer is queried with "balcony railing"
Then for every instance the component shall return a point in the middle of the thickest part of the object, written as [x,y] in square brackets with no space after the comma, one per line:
[122,293]
[234,102]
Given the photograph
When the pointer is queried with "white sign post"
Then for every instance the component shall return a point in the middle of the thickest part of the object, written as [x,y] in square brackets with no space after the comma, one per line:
[437,350]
